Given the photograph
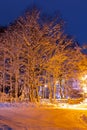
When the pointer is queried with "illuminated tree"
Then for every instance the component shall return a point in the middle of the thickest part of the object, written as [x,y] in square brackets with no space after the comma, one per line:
[34,48]
[40,40]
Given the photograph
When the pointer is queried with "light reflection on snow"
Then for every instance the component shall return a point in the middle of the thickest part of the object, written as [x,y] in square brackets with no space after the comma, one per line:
[80,106]
[46,103]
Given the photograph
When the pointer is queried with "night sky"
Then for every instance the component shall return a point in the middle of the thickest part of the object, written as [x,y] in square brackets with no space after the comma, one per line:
[74,12]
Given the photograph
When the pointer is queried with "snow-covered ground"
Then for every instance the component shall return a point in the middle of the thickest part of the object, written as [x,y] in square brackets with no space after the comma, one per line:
[29,116]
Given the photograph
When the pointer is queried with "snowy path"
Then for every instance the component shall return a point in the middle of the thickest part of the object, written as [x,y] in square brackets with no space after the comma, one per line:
[39,118]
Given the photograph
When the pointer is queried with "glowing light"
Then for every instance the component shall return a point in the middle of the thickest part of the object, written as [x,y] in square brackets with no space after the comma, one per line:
[84,83]
[85,88]
[57,82]
[84,78]
[45,85]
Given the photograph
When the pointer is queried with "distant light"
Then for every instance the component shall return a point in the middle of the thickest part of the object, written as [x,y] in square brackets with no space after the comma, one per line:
[45,85]
[84,83]
[85,88]
[84,78]
[57,82]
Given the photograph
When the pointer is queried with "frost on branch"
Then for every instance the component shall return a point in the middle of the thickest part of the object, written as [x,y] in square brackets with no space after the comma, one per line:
[36,56]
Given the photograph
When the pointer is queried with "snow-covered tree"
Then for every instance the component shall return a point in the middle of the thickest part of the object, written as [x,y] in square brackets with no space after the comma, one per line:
[35,52]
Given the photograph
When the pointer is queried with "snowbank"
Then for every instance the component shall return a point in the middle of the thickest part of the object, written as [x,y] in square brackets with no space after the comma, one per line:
[30,116]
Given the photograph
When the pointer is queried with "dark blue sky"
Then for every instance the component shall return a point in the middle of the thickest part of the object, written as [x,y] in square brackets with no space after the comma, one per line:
[74,12]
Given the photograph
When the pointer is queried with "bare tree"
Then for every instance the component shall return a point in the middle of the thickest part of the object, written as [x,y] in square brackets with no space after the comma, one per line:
[36,49]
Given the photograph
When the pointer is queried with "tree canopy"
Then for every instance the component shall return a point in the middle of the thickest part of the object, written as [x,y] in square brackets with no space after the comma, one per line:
[34,50]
